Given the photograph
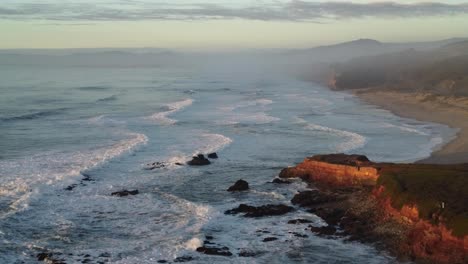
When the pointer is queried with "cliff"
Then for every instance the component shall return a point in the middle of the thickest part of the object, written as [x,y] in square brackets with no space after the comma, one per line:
[416,211]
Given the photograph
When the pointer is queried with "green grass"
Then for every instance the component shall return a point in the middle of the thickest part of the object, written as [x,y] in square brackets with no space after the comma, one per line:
[427,187]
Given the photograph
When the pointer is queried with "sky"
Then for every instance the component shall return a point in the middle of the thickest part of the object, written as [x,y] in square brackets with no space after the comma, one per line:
[222,24]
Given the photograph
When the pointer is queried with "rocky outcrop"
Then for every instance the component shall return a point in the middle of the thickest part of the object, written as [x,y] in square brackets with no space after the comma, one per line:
[240,185]
[199,160]
[213,155]
[260,211]
[411,210]
[335,169]
[124,193]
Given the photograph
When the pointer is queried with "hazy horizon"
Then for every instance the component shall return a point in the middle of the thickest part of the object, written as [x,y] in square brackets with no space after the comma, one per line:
[220,25]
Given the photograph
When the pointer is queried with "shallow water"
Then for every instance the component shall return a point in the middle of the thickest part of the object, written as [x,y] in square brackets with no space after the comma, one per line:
[59,124]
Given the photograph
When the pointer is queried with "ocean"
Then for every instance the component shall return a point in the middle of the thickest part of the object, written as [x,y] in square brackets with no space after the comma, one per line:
[71,135]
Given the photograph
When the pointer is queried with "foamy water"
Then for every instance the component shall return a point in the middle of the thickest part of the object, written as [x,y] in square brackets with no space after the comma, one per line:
[72,136]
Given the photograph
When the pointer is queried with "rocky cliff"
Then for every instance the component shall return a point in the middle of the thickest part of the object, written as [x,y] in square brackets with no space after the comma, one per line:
[415,211]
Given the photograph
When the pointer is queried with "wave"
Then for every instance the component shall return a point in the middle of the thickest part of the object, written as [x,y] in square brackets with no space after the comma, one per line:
[107,99]
[258,102]
[212,143]
[259,117]
[34,115]
[22,177]
[407,128]
[162,117]
[353,140]
[93,88]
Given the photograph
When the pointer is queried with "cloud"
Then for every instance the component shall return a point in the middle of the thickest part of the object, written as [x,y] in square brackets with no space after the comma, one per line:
[295,10]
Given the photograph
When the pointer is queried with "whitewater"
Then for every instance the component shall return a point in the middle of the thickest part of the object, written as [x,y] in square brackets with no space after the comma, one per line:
[71,136]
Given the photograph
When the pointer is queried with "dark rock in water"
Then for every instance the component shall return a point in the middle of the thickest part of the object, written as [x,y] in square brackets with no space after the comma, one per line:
[199,160]
[43,256]
[264,210]
[268,239]
[247,253]
[156,165]
[183,259]
[86,177]
[48,257]
[224,251]
[213,155]
[71,187]
[162,261]
[331,215]
[324,230]
[209,237]
[311,198]
[299,235]
[299,221]
[179,164]
[125,193]
[280,181]
[240,185]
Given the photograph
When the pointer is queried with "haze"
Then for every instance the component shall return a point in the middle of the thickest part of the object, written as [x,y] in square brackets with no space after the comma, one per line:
[222,25]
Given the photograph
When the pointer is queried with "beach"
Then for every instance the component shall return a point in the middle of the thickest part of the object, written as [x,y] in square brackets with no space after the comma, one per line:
[426,107]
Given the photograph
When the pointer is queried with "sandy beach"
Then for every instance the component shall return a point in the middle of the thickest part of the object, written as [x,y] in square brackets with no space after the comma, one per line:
[425,107]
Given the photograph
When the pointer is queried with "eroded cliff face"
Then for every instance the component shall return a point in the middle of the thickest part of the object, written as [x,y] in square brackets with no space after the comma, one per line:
[335,169]
[423,237]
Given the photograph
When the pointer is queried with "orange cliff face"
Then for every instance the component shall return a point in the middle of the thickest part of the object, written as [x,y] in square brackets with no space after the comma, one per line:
[335,169]
[423,239]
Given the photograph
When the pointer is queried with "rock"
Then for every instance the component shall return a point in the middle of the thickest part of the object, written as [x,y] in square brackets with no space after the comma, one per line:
[224,251]
[280,181]
[311,198]
[183,259]
[331,215]
[240,185]
[179,164]
[299,221]
[292,172]
[264,210]
[48,257]
[209,237]
[268,239]
[86,177]
[213,155]
[247,253]
[156,165]
[125,193]
[71,187]
[43,256]
[199,160]
[324,230]
[162,261]
[299,235]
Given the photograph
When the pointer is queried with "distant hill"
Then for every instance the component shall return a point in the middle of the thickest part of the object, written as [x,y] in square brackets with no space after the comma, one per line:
[440,71]
[359,48]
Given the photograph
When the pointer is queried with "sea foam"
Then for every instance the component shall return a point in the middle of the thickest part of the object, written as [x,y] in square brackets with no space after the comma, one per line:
[162,117]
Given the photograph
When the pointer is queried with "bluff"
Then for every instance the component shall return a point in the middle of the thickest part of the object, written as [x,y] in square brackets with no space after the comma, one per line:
[418,211]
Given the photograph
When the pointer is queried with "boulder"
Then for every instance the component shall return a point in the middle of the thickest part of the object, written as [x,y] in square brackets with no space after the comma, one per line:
[213,155]
[264,210]
[240,185]
[299,221]
[223,251]
[155,165]
[312,198]
[199,160]
[324,230]
[125,193]
[280,181]
[183,259]
[268,239]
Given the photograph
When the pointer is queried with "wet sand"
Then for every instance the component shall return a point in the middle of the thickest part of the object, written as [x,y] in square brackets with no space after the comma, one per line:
[425,107]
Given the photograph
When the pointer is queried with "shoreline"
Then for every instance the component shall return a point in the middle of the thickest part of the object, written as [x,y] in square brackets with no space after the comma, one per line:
[430,108]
